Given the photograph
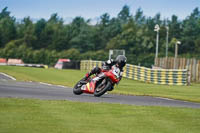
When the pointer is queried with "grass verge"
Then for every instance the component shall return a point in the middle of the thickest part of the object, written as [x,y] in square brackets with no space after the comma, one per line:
[126,86]
[46,116]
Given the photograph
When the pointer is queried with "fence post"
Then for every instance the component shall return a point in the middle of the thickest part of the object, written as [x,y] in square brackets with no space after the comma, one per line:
[188,77]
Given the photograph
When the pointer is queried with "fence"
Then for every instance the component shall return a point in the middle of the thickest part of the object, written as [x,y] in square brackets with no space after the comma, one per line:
[157,76]
[192,65]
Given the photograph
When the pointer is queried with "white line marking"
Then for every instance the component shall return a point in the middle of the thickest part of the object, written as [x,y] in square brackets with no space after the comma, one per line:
[52,84]
[166,98]
[8,76]
[173,99]
[30,81]
[61,86]
[45,83]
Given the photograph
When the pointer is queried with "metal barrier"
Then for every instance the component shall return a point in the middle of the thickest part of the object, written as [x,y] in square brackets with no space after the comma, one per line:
[156,76]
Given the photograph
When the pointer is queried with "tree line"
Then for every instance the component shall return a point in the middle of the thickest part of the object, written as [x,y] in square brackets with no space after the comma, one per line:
[44,41]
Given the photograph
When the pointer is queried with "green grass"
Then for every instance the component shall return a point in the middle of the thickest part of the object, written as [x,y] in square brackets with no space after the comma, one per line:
[46,116]
[188,93]
[126,86]
[53,76]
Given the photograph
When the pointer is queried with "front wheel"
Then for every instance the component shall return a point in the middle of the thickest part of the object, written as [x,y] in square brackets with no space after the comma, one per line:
[77,88]
[102,88]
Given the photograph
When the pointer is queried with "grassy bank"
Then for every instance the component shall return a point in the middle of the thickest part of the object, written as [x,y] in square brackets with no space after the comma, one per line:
[43,116]
[126,86]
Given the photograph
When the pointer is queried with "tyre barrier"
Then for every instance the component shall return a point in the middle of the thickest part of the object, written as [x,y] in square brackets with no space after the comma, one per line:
[19,62]
[14,61]
[29,65]
[33,65]
[89,64]
[156,76]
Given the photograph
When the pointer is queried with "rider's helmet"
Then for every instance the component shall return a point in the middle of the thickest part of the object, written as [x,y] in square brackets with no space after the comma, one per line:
[121,61]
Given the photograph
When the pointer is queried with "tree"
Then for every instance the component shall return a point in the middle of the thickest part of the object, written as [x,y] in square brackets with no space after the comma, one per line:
[139,17]
[191,30]
[39,28]
[124,14]
[81,35]
[45,41]
[105,20]
[7,27]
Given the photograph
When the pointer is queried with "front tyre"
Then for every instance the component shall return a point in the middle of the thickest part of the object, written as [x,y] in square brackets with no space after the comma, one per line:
[102,88]
[77,88]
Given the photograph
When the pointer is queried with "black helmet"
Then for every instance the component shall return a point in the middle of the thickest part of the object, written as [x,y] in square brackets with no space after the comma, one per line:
[121,60]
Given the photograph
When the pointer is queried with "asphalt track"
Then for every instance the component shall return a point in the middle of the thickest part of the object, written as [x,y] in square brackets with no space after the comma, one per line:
[17,89]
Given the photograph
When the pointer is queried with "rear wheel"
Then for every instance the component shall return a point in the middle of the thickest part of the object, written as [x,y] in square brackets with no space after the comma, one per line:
[102,88]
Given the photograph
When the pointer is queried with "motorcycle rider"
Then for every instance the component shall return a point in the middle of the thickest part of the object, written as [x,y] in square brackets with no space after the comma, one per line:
[119,62]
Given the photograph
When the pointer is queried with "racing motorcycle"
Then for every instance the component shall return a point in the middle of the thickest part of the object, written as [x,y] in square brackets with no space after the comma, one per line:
[99,86]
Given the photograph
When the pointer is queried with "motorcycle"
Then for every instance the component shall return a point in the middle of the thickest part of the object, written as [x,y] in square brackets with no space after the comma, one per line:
[99,86]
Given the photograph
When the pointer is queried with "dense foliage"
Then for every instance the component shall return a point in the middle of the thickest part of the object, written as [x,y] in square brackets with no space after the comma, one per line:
[45,41]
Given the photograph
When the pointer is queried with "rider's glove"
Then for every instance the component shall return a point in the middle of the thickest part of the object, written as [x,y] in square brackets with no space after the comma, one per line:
[120,77]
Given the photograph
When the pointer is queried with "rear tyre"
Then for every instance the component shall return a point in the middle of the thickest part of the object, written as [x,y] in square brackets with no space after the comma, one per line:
[102,88]
[77,88]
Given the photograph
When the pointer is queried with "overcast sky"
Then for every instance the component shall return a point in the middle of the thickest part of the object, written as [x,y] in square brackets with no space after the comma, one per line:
[95,8]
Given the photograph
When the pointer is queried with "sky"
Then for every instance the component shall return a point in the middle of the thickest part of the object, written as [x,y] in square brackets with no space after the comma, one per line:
[90,9]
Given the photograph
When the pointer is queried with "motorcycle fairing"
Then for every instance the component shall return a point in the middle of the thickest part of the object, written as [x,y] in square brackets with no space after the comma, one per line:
[113,74]
[89,87]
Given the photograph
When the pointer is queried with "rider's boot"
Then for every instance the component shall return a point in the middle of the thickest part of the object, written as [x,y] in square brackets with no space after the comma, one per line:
[111,88]
[93,71]
[87,76]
